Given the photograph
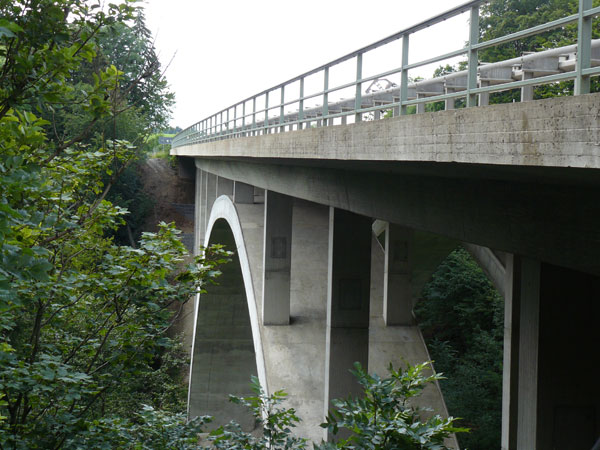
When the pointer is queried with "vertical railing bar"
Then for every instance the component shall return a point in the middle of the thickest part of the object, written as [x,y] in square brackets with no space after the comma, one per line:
[325,96]
[358,98]
[227,127]
[301,106]
[472,56]
[584,48]
[281,110]
[266,122]
[404,75]
[244,119]
[253,116]
[235,120]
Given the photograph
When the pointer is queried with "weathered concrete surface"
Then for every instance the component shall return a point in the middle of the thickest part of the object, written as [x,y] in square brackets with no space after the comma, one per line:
[559,132]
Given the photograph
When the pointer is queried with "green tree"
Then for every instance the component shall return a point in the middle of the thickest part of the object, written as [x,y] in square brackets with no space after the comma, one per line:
[82,319]
[461,316]
[276,423]
[384,418]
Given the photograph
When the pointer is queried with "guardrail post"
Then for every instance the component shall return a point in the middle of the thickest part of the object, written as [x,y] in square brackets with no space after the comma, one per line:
[473,60]
[227,123]
[301,105]
[235,121]
[584,48]
[266,122]
[244,119]
[404,75]
[358,98]
[253,116]
[281,126]
[326,97]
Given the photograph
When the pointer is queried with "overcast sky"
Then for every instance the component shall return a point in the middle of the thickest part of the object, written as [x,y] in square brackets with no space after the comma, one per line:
[227,50]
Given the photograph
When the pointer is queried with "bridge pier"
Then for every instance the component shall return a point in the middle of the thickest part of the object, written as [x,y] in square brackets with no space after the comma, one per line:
[277,256]
[348,301]
[397,292]
[551,347]
[199,211]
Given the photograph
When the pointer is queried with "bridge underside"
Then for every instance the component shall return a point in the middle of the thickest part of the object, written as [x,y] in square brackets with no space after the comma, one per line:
[540,220]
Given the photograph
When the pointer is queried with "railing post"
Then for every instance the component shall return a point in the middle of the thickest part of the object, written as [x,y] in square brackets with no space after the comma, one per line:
[404,75]
[221,123]
[227,123]
[266,122]
[253,116]
[473,60]
[358,98]
[235,121]
[301,106]
[244,119]
[325,96]
[281,110]
[584,48]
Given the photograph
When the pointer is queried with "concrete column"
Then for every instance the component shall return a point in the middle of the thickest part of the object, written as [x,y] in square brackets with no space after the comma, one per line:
[397,292]
[224,186]
[510,378]
[551,351]
[211,195]
[243,193]
[277,258]
[348,289]
[204,205]
[198,210]
[529,326]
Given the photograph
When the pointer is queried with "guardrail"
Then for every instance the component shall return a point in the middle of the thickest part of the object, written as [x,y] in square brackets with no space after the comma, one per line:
[577,62]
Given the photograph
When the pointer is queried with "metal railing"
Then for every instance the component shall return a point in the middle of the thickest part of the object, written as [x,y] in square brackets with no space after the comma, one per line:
[577,62]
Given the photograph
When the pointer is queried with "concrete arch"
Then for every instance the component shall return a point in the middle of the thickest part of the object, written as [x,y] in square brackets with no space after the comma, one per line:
[224,215]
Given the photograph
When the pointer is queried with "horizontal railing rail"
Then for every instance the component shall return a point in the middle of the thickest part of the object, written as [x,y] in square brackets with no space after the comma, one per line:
[579,62]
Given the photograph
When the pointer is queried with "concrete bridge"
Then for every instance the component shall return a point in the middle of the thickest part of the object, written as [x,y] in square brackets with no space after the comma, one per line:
[337,226]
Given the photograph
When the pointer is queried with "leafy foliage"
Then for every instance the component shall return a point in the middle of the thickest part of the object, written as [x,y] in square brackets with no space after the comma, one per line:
[461,316]
[384,417]
[83,320]
[277,423]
